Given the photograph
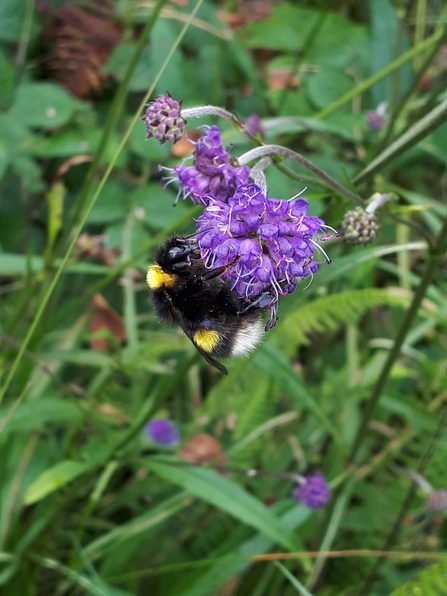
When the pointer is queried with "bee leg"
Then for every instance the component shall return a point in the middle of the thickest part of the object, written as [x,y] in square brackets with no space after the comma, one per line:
[212,273]
[262,301]
[178,254]
[220,367]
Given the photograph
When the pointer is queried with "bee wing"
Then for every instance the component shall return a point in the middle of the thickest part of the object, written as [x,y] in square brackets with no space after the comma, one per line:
[177,316]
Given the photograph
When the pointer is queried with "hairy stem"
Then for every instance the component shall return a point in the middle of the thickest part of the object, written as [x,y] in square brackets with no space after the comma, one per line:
[272,150]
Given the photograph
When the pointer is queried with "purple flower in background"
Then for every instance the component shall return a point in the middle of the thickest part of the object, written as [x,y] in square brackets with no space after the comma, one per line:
[214,170]
[163,120]
[376,119]
[314,492]
[163,432]
[437,500]
[266,245]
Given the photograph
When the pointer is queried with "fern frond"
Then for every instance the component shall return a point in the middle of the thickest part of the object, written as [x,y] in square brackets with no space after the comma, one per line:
[328,313]
[430,582]
[252,410]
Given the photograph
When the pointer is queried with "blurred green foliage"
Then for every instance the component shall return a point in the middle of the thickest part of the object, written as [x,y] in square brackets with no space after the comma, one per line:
[87,504]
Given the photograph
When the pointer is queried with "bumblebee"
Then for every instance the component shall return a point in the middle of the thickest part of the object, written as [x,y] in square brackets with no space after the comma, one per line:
[219,323]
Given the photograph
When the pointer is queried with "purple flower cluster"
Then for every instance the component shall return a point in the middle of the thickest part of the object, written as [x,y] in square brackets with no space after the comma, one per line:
[213,172]
[265,244]
[163,120]
[314,491]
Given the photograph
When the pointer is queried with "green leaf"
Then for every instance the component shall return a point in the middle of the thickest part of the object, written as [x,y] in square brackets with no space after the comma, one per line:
[384,27]
[29,170]
[158,205]
[4,158]
[7,78]
[82,358]
[11,19]
[273,362]
[344,265]
[351,41]
[163,36]
[13,264]
[285,30]
[327,85]
[14,136]
[236,560]
[139,526]
[35,413]
[64,144]
[54,478]
[55,199]
[216,490]
[112,205]
[44,105]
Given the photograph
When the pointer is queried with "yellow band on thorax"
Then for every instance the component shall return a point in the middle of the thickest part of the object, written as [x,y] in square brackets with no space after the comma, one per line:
[156,278]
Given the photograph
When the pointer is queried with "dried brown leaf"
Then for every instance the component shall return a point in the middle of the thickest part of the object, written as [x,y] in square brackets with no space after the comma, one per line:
[113,413]
[282,79]
[185,147]
[80,42]
[105,318]
[203,449]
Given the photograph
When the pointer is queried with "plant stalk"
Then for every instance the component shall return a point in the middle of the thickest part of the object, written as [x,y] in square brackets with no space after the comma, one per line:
[436,255]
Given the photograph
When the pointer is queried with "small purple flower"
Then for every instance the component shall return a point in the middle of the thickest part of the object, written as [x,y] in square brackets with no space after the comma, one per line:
[437,500]
[253,125]
[376,119]
[266,245]
[163,120]
[314,491]
[214,170]
[163,432]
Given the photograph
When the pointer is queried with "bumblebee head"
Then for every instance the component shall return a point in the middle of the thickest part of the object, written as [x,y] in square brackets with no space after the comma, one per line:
[175,259]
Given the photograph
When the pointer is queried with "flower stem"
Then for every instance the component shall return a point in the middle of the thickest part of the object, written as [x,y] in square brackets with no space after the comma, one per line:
[273,150]
[201,111]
